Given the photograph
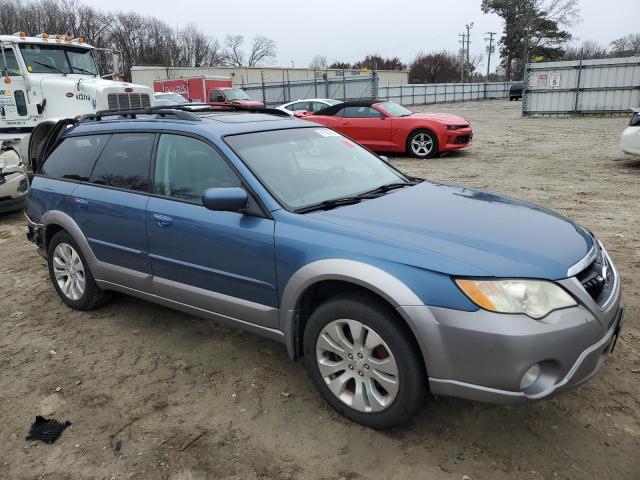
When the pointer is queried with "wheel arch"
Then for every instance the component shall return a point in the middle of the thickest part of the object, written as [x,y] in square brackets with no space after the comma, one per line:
[55,221]
[333,276]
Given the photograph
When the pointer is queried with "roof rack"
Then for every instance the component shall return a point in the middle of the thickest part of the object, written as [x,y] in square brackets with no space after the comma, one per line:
[133,113]
[181,112]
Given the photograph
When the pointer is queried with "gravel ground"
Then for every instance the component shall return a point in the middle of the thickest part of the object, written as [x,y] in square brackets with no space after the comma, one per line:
[155,394]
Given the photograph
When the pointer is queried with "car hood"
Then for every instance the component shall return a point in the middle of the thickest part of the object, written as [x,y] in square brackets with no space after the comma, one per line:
[445,118]
[469,232]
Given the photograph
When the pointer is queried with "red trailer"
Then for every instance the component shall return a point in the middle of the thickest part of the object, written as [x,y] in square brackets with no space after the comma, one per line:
[216,91]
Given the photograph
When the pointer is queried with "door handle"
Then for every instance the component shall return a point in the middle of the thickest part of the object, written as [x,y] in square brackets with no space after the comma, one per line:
[163,221]
[81,202]
[346,124]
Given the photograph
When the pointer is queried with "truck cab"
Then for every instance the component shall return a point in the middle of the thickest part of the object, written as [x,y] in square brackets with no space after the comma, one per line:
[49,77]
[231,96]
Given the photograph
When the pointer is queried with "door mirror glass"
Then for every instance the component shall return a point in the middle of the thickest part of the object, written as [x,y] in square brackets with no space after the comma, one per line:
[225,199]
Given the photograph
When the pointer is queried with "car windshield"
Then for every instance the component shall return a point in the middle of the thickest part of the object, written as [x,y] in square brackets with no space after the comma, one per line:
[172,98]
[394,109]
[57,59]
[236,94]
[307,166]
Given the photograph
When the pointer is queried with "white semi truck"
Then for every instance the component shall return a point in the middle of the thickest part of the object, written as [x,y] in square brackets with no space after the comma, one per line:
[47,78]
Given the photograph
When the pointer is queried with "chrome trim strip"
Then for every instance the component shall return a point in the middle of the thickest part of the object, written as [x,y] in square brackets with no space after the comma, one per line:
[585,262]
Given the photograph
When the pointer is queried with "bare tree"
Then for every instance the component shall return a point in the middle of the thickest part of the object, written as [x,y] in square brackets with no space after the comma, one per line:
[319,62]
[586,49]
[234,56]
[628,45]
[263,51]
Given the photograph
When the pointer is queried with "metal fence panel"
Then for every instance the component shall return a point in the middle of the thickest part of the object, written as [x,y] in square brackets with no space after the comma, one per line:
[341,88]
[426,93]
[582,87]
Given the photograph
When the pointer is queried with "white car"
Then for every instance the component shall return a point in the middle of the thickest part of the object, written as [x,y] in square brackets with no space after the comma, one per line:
[308,105]
[14,183]
[630,138]
[175,99]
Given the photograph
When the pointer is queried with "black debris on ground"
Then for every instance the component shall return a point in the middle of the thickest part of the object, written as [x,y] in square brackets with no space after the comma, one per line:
[46,430]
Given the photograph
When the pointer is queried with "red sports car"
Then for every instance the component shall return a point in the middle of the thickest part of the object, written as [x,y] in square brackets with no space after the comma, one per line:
[389,127]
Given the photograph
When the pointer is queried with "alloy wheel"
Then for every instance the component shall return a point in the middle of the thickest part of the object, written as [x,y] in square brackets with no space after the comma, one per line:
[357,365]
[422,144]
[69,271]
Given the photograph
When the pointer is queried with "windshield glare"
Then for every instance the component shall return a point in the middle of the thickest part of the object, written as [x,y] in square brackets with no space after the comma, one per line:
[57,59]
[173,98]
[236,94]
[306,166]
[394,109]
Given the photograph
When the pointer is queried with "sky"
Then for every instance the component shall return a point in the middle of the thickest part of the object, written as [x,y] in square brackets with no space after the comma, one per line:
[347,30]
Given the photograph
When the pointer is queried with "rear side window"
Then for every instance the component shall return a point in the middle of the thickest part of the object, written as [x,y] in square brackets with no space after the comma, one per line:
[74,158]
[124,162]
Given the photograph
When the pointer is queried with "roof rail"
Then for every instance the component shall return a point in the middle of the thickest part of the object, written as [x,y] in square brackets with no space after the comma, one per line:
[161,111]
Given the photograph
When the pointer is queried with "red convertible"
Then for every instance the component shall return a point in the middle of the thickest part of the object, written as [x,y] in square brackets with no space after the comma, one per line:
[389,127]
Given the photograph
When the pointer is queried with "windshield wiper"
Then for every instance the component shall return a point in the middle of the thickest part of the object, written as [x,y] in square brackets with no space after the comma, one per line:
[50,67]
[392,186]
[338,202]
[82,70]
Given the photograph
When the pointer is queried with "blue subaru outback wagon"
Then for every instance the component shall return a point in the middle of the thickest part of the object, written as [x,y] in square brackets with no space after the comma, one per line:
[387,286]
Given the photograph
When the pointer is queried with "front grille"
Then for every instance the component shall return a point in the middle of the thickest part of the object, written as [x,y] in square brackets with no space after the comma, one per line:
[462,139]
[598,278]
[128,101]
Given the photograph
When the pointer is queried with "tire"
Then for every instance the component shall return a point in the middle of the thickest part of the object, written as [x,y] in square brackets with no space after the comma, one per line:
[378,408]
[67,266]
[429,144]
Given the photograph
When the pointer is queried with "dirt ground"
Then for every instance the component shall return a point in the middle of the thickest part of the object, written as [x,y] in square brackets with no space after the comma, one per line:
[155,394]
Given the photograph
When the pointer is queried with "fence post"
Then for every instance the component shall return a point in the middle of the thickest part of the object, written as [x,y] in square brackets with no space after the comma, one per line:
[264,92]
[401,93]
[315,84]
[387,90]
[575,103]
[326,83]
[374,84]
[344,86]
[413,94]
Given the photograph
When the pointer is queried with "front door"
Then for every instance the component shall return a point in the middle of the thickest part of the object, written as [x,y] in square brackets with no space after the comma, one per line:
[367,126]
[222,262]
[13,95]
[217,98]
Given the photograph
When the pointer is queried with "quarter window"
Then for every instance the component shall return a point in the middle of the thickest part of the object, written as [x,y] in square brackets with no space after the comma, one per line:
[124,163]
[186,167]
[74,158]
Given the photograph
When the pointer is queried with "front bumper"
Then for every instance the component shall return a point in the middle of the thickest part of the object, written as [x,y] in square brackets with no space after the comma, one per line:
[483,355]
[456,139]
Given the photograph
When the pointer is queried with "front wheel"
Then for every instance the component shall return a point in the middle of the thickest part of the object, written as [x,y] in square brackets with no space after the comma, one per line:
[364,361]
[422,144]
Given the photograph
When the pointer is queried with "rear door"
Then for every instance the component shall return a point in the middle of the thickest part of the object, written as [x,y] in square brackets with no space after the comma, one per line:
[110,209]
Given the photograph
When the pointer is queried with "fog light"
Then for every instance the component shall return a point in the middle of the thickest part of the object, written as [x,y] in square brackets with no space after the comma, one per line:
[530,376]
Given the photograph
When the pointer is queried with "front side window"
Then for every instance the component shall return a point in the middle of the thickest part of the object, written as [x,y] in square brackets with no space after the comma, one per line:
[74,157]
[216,96]
[124,162]
[186,167]
[360,112]
[52,58]
[394,109]
[12,68]
[305,166]
[298,106]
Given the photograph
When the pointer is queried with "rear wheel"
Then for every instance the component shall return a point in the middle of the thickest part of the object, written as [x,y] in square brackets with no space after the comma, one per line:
[364,362]
[422,144]
[70,274]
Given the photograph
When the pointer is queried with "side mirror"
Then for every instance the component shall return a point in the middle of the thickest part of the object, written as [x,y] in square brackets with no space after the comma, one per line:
[225,199]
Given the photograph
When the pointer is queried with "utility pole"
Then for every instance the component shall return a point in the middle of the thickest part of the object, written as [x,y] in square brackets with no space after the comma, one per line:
[489,51]
[468,26]
[462,55]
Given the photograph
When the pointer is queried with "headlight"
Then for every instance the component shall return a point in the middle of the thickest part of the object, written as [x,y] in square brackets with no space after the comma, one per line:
[536,298]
